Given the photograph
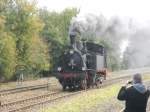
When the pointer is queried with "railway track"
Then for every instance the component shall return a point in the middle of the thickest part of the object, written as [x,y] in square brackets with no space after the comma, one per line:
[24,104]
[29,102]
[43,100]
[28,88]
[22,89]
[130,71]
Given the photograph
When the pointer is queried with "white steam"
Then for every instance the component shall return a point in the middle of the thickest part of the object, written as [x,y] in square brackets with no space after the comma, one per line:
[130,40]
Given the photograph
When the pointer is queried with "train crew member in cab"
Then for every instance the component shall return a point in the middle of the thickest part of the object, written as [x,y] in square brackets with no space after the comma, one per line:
[135,96]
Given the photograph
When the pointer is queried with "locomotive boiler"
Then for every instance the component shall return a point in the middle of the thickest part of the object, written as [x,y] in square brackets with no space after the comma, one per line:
[82,65]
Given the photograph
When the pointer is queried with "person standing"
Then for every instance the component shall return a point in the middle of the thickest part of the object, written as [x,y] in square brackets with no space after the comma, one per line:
[135,96]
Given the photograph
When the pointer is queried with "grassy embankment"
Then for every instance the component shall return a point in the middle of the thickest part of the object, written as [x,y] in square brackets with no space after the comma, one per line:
[89,99]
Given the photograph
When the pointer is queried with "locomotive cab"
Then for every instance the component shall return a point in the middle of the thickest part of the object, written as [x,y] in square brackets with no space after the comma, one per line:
[96,62]
[96,56]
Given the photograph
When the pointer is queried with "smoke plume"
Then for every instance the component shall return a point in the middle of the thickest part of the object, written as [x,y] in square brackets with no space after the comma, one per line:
[114,32]
[138,53]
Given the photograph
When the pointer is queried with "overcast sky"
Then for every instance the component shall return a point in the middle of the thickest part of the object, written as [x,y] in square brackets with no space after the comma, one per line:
[136,9]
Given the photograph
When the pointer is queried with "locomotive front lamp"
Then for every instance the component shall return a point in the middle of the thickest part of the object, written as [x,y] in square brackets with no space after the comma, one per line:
[71,51]
[59,69]
[83,68]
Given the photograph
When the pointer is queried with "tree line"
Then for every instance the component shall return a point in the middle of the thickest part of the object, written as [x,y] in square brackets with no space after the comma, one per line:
[32,39]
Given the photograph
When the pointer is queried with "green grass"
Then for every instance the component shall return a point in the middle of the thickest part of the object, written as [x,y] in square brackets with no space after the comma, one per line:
[89,99]
[86,100]
[146,76]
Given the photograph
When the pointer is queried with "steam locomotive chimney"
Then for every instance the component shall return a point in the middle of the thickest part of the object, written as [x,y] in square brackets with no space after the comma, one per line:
[74,31]
[73,35]
[73,40]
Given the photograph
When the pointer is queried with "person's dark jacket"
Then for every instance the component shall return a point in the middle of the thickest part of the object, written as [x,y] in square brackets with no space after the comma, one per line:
[136,98]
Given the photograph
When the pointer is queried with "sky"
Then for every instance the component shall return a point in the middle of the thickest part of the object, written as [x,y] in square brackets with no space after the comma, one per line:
[136,9]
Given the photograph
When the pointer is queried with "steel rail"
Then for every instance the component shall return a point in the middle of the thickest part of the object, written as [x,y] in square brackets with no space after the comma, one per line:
[22,89]
[106,83]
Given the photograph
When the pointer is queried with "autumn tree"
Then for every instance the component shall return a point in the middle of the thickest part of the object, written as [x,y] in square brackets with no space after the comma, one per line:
[21,33]
[56,30]
[7,47]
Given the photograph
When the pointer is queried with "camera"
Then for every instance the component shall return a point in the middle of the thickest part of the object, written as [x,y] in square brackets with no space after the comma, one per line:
[129,82]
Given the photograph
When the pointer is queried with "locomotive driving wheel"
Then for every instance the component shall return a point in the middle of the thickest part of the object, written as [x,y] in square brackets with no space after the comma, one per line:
[64,86]
[84,84]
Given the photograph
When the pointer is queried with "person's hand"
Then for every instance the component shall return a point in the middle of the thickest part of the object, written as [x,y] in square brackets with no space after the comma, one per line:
[127,83]
[130,82]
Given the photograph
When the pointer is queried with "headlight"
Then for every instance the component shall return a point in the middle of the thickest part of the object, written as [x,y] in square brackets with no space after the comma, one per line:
[71,51]
[83,68]
[59,69]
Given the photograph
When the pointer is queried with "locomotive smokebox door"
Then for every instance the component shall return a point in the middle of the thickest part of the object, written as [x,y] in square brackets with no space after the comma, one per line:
[72,38]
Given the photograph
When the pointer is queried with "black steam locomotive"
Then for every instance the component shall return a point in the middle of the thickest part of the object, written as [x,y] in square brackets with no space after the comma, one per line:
[82,65]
